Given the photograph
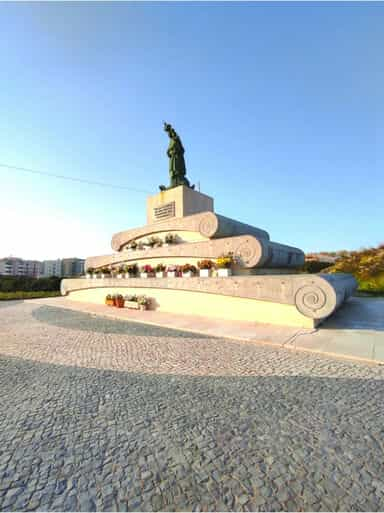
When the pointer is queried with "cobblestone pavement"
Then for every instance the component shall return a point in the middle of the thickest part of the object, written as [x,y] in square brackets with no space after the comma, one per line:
[97,414]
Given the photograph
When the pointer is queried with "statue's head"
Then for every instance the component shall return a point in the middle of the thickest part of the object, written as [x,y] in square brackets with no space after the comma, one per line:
[167,127]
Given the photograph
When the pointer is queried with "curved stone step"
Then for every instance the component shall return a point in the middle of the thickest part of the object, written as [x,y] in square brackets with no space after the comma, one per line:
[315,296]
[207,224]
[247,250]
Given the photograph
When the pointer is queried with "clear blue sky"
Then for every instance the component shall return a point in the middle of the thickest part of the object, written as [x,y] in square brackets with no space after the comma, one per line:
[279,106]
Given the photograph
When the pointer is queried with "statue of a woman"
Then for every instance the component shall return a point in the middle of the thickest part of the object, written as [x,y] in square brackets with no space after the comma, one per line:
[175,153]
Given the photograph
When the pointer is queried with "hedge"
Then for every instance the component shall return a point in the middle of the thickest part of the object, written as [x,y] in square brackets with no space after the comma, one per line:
[6,296]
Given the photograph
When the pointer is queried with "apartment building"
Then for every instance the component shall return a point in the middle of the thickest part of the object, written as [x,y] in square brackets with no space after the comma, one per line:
[32,268]
[51,268]
[12,266]
[72,266]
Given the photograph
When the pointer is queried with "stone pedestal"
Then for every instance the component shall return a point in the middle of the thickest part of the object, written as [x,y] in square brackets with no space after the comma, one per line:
[178,202]
[182,228]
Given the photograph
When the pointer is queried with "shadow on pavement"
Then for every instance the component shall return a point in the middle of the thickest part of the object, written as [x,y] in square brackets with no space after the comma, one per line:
[71,319]
[358,314]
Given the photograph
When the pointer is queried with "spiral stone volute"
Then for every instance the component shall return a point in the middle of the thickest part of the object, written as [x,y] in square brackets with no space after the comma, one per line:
[319,296]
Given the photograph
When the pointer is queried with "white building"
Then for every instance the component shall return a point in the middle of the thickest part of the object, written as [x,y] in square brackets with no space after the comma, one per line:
[51,268]
[12,266]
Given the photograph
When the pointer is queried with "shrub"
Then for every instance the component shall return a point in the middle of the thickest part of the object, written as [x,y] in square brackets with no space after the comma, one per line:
[22,294]
[27,283]
[367,266]
[160,268]
[314,266]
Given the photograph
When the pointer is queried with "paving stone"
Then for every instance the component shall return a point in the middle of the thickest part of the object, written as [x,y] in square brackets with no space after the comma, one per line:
[109,416]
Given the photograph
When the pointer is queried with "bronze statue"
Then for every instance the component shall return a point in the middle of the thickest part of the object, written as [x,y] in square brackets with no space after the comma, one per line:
[175,153]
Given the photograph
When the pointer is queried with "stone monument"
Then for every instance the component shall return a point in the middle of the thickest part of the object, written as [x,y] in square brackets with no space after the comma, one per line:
[265,285]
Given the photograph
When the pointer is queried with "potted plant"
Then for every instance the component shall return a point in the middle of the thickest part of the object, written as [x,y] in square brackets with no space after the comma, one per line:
[170,238]
[205,267]
[143,302]
[130,301]
[114,272]
[188,270]
[119,301]
[146,271]
[153,242]
[97,273]
[131,270]
[149,243]
[90,272]
[172,271]
[160,270]
[121,272]
[140,246]
[132,246]
[224,264]
[109,300]
[105,272]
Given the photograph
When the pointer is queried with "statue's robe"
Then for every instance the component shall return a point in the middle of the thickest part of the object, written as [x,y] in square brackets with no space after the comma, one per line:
[177,169]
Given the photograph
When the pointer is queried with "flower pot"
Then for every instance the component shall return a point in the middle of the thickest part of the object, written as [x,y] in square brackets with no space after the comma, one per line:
[205,273]
[120,276]
[120,303]
[88,276]
[142,307]
[132,304]
[188,274]
[109,302]
[102,275]
[171,274]
[160,274]
[143,275]
[224,273]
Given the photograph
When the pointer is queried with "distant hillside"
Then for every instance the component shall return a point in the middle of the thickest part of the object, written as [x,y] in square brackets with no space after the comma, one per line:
[367,265]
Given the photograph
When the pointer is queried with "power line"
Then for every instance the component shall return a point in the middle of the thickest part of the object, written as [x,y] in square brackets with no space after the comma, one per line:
[73,179]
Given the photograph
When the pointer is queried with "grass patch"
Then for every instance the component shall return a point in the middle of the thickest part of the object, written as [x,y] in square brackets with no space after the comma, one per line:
[6,296]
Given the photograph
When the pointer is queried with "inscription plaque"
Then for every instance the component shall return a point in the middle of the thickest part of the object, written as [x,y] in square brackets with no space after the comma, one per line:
[165,211]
